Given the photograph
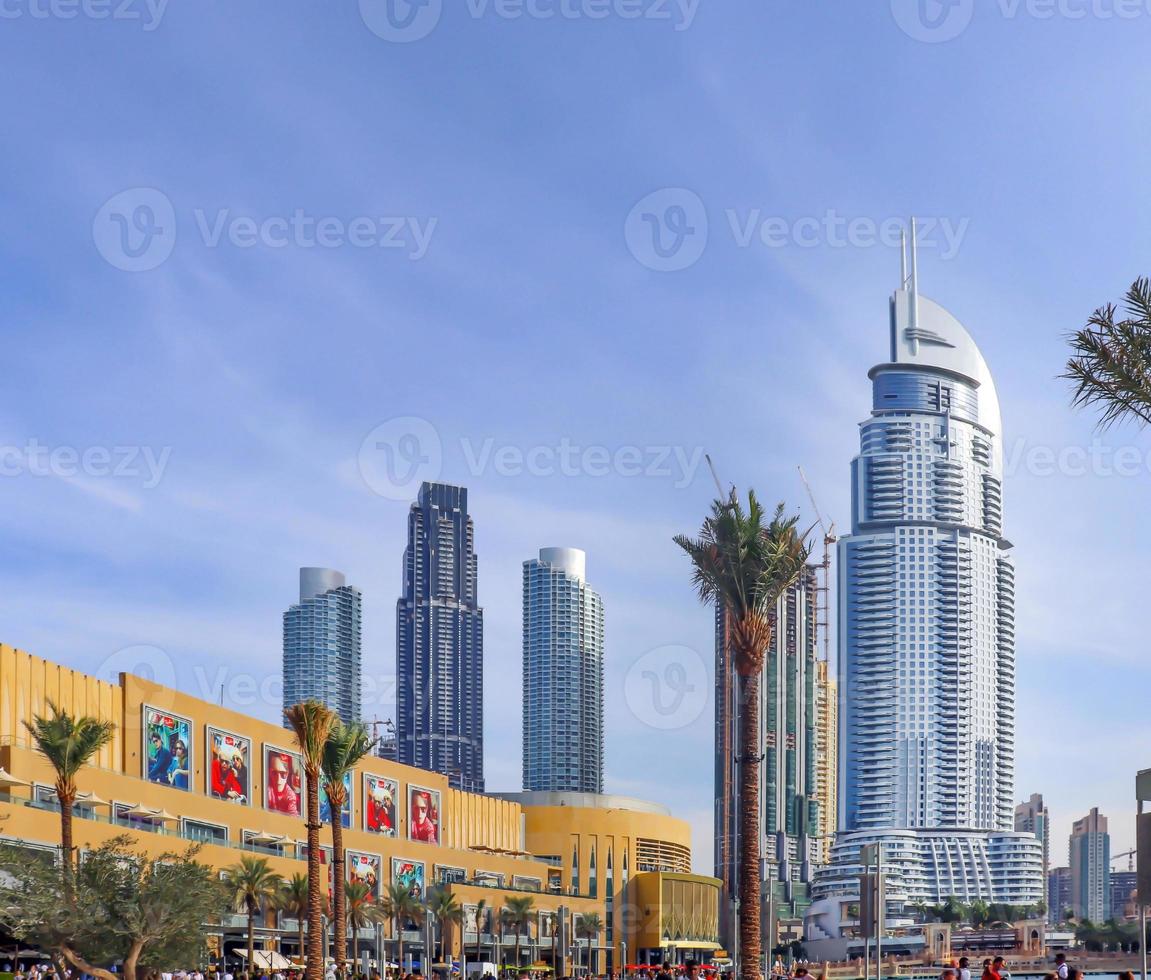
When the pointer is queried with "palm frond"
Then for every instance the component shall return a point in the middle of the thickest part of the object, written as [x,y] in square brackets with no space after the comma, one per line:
[311,722]
[67,742]
[1110,363]
[346,745]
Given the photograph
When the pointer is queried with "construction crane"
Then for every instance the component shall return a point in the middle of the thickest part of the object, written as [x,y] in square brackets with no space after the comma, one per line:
[1130,855]
[823,621]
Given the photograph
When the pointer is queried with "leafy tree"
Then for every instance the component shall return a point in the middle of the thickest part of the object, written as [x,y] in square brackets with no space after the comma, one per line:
[117,905]
[445,909]
[398,905]
[346,745]
[68,744]
[312,723]
[742,562]
[292,899]
[1110,363]
[252,882]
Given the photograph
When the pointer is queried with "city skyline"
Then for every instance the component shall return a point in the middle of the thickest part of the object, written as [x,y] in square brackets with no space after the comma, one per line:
[241,444]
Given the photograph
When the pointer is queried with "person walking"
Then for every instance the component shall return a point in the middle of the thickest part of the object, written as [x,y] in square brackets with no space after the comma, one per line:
[965,968]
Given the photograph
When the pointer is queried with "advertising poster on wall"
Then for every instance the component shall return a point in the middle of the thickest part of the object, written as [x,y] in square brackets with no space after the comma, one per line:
[423,814]
[167,749]
[409,875]
[380,797]
[326,806]
[283,771]
[229,773]
[364,869]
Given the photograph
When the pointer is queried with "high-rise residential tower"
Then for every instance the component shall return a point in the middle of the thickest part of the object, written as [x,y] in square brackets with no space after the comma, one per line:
[563,647]
[826,756]
[322,644]
[1058,894]
[789,773]
[1090,861]
[440,642]
[926,629]
[1031,818]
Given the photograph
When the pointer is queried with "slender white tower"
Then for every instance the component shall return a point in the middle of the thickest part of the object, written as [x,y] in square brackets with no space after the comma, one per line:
[927,625]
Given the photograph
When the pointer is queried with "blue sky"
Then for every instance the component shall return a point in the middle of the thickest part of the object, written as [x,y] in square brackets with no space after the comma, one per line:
[483,268]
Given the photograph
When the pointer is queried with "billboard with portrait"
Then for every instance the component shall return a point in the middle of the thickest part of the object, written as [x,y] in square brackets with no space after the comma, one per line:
[380,797]
[283,775]
[326,806]
[409,875]
[423,814]
[230,768]
[168,749]
[364,869]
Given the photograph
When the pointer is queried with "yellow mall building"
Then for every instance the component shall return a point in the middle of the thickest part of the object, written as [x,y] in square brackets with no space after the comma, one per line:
[181,770]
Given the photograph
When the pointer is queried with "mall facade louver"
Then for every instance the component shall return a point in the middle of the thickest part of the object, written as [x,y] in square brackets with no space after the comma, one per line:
[927,631]
[440,642]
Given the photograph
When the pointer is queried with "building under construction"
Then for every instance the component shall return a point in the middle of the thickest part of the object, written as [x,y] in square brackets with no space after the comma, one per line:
[797,775]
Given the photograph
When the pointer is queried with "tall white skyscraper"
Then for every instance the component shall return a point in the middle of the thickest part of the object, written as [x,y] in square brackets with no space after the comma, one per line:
[927,629]
[563,675]
[322,644]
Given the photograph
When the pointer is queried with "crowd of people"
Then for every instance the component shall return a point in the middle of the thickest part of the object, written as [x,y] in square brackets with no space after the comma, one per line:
[995,968]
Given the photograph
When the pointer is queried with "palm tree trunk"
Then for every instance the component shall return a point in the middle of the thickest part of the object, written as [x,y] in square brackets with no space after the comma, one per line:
[251,938]
[300,928]
[339,901]
[67,853]
[314,967]
[749,884]
[355,947]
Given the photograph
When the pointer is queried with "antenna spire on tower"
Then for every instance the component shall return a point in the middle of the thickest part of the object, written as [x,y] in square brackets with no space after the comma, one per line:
[914,279]
[903,258]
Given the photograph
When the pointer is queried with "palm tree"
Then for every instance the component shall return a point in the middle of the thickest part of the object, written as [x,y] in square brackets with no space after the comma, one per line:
[742,562]
[1110,364]
[362,911]
[979,912]
[518,913]
[481,907]
[292,899]
[588,928]
[68,744]
[445,909]
[312,722]
[399,905]
[252,882]
[346,745]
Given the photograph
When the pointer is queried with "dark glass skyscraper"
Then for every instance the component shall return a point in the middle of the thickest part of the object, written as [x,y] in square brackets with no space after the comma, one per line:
[440,642]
